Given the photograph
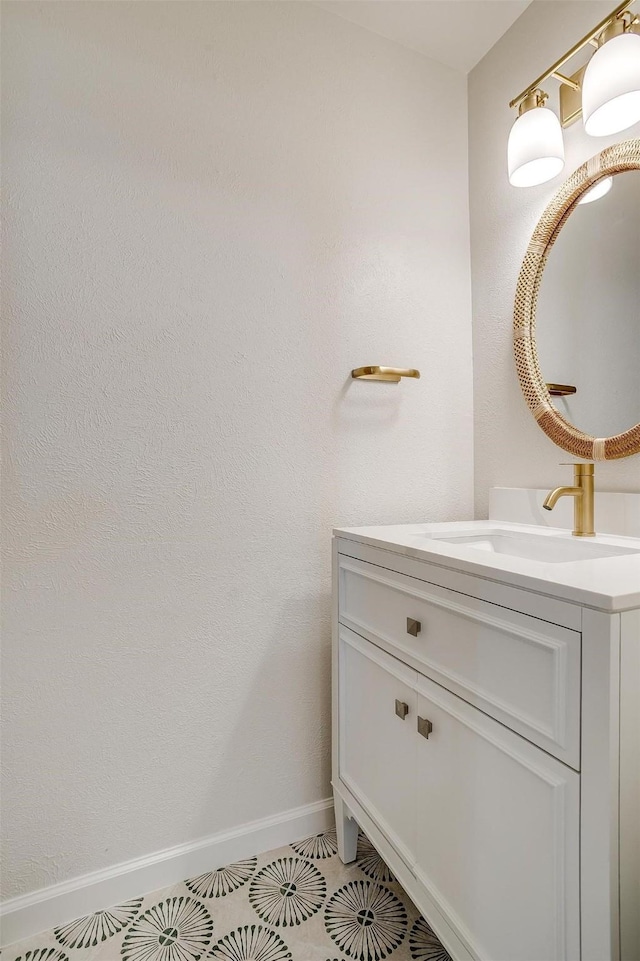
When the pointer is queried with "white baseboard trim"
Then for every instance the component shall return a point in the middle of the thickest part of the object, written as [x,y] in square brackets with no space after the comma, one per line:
[25,916]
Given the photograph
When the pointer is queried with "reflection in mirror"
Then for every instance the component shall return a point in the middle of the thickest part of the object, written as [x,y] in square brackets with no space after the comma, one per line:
[588,314]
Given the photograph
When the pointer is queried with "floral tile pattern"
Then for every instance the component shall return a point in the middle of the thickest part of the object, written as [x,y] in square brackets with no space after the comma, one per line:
[288,891]
[94,928]
[366,920]
[178,929]
[299,903]
[219,883]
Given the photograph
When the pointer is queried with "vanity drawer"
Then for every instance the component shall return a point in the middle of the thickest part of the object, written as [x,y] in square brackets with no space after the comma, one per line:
[521,670]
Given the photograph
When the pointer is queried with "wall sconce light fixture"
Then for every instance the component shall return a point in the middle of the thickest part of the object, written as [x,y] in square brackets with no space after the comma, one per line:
[605,92]
[536,149]
[611,83]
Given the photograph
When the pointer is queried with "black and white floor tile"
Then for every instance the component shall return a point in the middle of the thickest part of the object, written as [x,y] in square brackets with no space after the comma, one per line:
[299,903]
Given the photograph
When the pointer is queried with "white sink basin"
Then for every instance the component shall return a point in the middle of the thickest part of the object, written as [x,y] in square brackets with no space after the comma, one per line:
[535,547]
[602,572]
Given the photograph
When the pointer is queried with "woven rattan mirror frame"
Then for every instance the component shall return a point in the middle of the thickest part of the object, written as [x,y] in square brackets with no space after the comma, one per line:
[612,160]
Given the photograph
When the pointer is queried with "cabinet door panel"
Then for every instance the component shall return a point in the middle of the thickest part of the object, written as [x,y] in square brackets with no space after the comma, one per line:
[377,746]
[497,834]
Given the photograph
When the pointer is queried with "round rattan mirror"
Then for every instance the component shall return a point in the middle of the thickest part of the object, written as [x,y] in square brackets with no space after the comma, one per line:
[582,313]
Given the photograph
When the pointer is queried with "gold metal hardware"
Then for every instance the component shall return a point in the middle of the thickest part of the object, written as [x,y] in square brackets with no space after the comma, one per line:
[536,98]
[582,492]
[571,98]
[566,81]
[560,390]
[413,627]
[424,727]
[615,28]
[390,374]
[402,709]
[603,31]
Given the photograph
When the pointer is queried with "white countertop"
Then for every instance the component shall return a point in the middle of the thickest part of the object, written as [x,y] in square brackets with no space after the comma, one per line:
[606,583]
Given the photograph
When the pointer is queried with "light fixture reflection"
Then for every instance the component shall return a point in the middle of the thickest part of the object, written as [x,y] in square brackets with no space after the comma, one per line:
[535,152]
[598,190]
[611,85]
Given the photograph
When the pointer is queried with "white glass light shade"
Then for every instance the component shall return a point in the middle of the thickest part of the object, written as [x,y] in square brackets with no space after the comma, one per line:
[611,86]
[598,190]
[535,151]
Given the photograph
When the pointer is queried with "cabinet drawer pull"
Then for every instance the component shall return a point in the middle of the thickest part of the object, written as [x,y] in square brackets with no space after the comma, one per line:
[413,627]
[402,709]
[424,727]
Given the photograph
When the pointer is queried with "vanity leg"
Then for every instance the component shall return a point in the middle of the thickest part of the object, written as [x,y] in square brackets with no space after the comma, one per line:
[347,831]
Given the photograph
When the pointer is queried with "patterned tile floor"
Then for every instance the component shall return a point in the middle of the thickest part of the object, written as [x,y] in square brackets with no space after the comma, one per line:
[299,903]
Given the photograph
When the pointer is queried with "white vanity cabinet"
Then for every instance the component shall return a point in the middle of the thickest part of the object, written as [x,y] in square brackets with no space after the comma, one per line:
[461,707]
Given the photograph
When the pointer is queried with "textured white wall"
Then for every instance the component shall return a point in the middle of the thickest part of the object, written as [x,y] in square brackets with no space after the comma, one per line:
[214,211]
[510,449]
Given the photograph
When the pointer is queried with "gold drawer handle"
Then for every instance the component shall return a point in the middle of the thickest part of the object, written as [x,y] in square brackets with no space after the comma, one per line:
[424,727]
[413,627]
[402,709]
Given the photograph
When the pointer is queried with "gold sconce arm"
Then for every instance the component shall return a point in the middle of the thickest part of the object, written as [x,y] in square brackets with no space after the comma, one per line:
[390,374]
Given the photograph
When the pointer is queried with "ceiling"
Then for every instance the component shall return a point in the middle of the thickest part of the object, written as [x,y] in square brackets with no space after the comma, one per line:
[455,32]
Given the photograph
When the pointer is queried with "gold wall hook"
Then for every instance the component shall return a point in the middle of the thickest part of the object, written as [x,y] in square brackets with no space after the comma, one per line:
[390,374]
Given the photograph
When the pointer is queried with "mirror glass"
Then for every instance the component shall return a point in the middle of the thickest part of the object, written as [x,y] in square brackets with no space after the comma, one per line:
[588,312]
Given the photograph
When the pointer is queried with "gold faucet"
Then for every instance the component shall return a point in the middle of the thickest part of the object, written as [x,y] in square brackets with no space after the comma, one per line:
[582,492]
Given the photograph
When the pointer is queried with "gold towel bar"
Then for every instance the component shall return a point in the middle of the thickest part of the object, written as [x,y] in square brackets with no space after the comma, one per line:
[391,374]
